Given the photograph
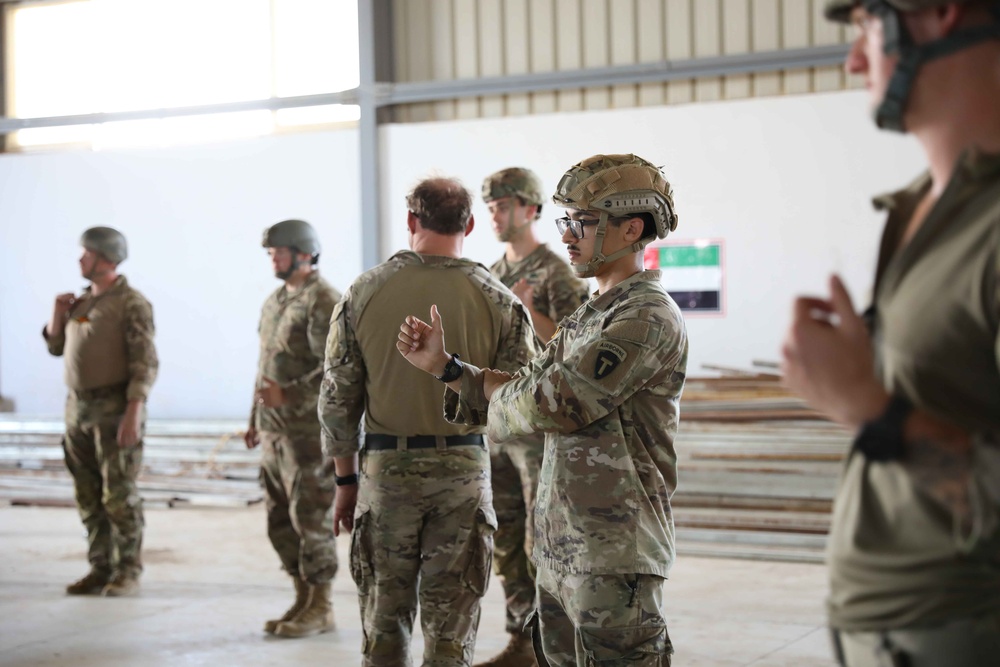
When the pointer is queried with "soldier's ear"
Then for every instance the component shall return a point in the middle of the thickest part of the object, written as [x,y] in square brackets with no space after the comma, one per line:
[472,223]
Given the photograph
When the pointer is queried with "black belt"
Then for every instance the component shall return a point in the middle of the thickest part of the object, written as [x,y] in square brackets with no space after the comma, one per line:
[100,392]
[380,442]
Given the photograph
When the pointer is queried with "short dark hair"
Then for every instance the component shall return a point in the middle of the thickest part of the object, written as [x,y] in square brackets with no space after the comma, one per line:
[442,205]
[648,222]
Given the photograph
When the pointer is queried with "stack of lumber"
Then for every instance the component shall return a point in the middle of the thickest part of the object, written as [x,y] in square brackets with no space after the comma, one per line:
[198,463]
[757,470]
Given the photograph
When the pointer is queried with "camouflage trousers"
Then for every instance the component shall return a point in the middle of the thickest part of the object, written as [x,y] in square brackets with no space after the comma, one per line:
[299,497]
[514,469]
[423,532]
[600,619]
[104,481]
[970,642]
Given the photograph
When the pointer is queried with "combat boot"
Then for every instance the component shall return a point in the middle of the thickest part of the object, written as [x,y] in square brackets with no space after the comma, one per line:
[92,584]
[301,600]
[122,584]
[317,617]
[518,653]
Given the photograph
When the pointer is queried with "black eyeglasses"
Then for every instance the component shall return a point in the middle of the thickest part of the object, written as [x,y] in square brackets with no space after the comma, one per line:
[574,226]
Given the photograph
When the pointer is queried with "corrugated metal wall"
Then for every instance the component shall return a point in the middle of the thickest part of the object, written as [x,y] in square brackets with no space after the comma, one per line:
[451,39]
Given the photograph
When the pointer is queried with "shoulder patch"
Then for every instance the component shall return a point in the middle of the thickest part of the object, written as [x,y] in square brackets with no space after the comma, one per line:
[609,356]
[634,330]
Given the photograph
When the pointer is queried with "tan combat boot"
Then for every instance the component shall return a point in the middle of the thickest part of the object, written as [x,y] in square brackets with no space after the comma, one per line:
[92,584]
[301,599]
[122,584]
[518,653]
[317,617]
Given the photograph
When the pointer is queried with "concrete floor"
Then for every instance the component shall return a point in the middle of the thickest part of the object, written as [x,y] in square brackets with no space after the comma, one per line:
[211,580]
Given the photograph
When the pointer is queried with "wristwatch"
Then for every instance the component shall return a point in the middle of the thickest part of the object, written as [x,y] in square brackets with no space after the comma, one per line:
[452,370]
[882,438]
[346,480]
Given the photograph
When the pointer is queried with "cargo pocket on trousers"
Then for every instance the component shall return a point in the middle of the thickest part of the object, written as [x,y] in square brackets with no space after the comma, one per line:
[362,571]
[645,645]
[479,554]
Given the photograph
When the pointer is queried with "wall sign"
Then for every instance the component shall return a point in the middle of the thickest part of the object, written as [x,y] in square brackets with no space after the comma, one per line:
[692,272]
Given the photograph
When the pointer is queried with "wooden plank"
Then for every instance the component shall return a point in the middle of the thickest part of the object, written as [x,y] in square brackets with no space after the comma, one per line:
[678,29]
[708,42]
[542,42]
[596,49]
[465,24]
[490,30]
[735,40]
[623,47]
[796,22]
[516,50]
[650,24]
[766,36]
[569,50]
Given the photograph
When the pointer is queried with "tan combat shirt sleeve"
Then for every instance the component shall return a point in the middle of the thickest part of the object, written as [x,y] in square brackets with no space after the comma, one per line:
[342,393]
[318,328]
[143,363]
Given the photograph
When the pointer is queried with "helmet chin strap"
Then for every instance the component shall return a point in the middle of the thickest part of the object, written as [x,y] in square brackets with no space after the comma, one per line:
[890,111]
[512,230]
[589,270]
[292,268]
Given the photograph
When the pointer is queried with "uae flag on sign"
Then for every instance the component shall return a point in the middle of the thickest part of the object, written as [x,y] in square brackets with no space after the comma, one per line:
[691,272]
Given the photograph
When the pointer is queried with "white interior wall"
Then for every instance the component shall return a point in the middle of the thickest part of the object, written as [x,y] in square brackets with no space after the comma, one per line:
[784,181]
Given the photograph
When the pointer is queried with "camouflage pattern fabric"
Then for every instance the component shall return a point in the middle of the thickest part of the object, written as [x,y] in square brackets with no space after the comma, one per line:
[293,330]
[104,480]
[600,619]
[299,497]
[606,393]
[422,515]
[558,292]
[516,464]
[424,522]
[299,493]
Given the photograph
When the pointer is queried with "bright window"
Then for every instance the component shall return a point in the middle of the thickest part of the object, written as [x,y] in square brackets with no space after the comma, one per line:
[88,56]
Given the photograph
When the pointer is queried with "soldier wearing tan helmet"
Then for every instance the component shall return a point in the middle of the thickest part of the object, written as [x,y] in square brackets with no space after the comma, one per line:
[605,392]
[105,336]
[299,490]
[915,537]
[544,283]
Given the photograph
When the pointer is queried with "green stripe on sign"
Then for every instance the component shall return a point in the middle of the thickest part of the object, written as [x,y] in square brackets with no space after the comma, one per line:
[671,256]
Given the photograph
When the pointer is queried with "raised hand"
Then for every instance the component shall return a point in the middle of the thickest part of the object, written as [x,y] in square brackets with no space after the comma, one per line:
[422,344]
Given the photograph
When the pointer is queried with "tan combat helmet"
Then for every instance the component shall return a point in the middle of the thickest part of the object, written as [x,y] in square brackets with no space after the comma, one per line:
[107,242]
[513,182]
[897,41]
[617,186]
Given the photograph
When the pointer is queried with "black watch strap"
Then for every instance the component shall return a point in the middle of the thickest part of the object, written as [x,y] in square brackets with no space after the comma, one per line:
[452,370]
[882,439]
[346,480]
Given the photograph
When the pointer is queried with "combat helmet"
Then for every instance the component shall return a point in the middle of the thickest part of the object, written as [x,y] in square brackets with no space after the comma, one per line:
[299,236]
[899,42]
[107,242]
[617,186]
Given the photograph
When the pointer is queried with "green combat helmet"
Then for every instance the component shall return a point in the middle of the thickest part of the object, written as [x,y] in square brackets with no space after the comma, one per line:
[617,186]
[514,182]
[899,42]
[297,235]
[107,242]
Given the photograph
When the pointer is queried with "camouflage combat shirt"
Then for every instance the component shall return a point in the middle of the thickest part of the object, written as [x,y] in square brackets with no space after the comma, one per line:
[558,292]
[365,374]
[108,341]
[293,329]
[606,393]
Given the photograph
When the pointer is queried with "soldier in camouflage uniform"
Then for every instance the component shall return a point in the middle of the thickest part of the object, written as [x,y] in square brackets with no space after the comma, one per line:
[106,338]
[605,392]
[422,518]
[549,291]
[293,328]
